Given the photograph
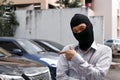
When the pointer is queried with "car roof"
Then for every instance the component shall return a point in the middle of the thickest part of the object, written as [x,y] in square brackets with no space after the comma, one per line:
[11,38]
[41,39]
[112,39]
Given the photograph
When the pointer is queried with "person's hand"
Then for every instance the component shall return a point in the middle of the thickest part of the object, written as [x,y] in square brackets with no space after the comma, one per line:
[69,53]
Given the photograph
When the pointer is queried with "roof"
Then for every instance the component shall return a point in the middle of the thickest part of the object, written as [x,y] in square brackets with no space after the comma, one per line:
[16,2]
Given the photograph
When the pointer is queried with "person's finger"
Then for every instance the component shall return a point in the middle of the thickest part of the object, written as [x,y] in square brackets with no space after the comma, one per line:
[71,48]
[62,52]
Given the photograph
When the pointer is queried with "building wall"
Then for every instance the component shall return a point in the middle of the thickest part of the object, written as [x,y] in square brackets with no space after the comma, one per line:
[43,3]
[118,18]
[104,8]
[108,9]
[115,7]
[52,1]
[26,1]
[53,24]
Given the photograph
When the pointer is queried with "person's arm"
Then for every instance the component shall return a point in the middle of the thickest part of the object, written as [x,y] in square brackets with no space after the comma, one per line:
[98,71]
[93,72]
[62,69]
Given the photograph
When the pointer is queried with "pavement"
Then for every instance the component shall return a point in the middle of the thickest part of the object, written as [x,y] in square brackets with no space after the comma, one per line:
[114,72]
[115,65]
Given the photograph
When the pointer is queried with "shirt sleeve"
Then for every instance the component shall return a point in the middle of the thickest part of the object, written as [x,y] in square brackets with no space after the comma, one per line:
[62,69]
[63,66]
[98,71]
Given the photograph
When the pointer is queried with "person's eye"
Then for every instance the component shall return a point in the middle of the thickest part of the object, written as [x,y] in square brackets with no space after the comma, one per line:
[82,28]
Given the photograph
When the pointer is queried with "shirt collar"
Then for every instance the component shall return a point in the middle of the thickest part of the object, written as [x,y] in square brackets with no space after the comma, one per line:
[94,45]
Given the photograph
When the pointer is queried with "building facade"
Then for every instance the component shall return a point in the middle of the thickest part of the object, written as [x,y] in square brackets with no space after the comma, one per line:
[34,4]
[109,9]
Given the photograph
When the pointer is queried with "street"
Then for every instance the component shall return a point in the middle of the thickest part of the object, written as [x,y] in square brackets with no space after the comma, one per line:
[114,72]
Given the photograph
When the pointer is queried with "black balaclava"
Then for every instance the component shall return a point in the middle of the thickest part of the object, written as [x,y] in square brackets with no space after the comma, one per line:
[86,37]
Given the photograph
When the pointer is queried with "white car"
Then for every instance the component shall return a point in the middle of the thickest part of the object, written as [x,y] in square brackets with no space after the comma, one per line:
[114,44]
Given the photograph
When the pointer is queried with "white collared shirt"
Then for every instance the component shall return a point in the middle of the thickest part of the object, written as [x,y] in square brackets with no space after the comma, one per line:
[84,66]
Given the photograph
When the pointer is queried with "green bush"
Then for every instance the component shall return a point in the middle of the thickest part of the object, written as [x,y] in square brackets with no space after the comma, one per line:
[8,22]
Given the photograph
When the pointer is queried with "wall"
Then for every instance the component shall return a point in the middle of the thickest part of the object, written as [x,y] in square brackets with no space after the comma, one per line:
[104,8]
[98,27]
[44,3]
[53,24]
[115,7]
[108,9]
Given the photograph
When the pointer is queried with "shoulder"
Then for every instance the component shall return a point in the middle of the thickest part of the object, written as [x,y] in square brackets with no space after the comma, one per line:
[103,47]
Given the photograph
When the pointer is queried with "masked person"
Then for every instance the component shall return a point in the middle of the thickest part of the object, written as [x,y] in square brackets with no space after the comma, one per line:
[86,61]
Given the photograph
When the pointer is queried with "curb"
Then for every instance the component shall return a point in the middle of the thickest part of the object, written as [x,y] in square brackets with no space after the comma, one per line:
[115,65]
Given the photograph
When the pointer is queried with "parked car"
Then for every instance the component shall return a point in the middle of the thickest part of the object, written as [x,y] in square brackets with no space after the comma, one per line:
[20,68]
[114,44]
[30,50]
[49,45]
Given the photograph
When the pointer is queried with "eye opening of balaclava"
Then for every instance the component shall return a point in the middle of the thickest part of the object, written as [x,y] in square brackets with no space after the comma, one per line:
[86,37]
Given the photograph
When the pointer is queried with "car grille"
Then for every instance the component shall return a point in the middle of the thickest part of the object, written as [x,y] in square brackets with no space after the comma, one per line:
[42,76]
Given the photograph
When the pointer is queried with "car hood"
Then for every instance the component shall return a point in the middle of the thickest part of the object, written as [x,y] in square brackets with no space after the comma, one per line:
[17,66]
[50,57]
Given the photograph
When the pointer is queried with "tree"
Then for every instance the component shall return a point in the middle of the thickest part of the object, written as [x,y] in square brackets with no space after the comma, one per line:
[69,3]
[8,22]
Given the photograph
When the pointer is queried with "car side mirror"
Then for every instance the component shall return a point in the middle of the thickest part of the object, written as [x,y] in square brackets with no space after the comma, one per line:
[17,52]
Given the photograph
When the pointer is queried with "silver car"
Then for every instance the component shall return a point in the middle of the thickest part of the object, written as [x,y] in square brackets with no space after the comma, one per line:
[114,44]
[19,68]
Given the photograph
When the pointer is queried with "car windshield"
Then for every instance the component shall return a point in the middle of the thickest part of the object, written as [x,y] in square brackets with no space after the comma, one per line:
[110,41]
[54,45]
[29,47]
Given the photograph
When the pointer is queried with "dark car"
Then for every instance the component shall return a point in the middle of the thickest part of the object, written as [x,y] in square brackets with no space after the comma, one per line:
[49,45]
[26,48]
[20,68]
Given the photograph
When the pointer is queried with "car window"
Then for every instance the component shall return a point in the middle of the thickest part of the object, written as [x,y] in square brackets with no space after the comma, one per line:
[1,55]
[3,52]
[29,46]
[54,44]
[9,46]
[50,46]
[43,46]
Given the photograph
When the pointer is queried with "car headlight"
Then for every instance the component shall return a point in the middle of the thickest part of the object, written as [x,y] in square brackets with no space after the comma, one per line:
[9,77]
